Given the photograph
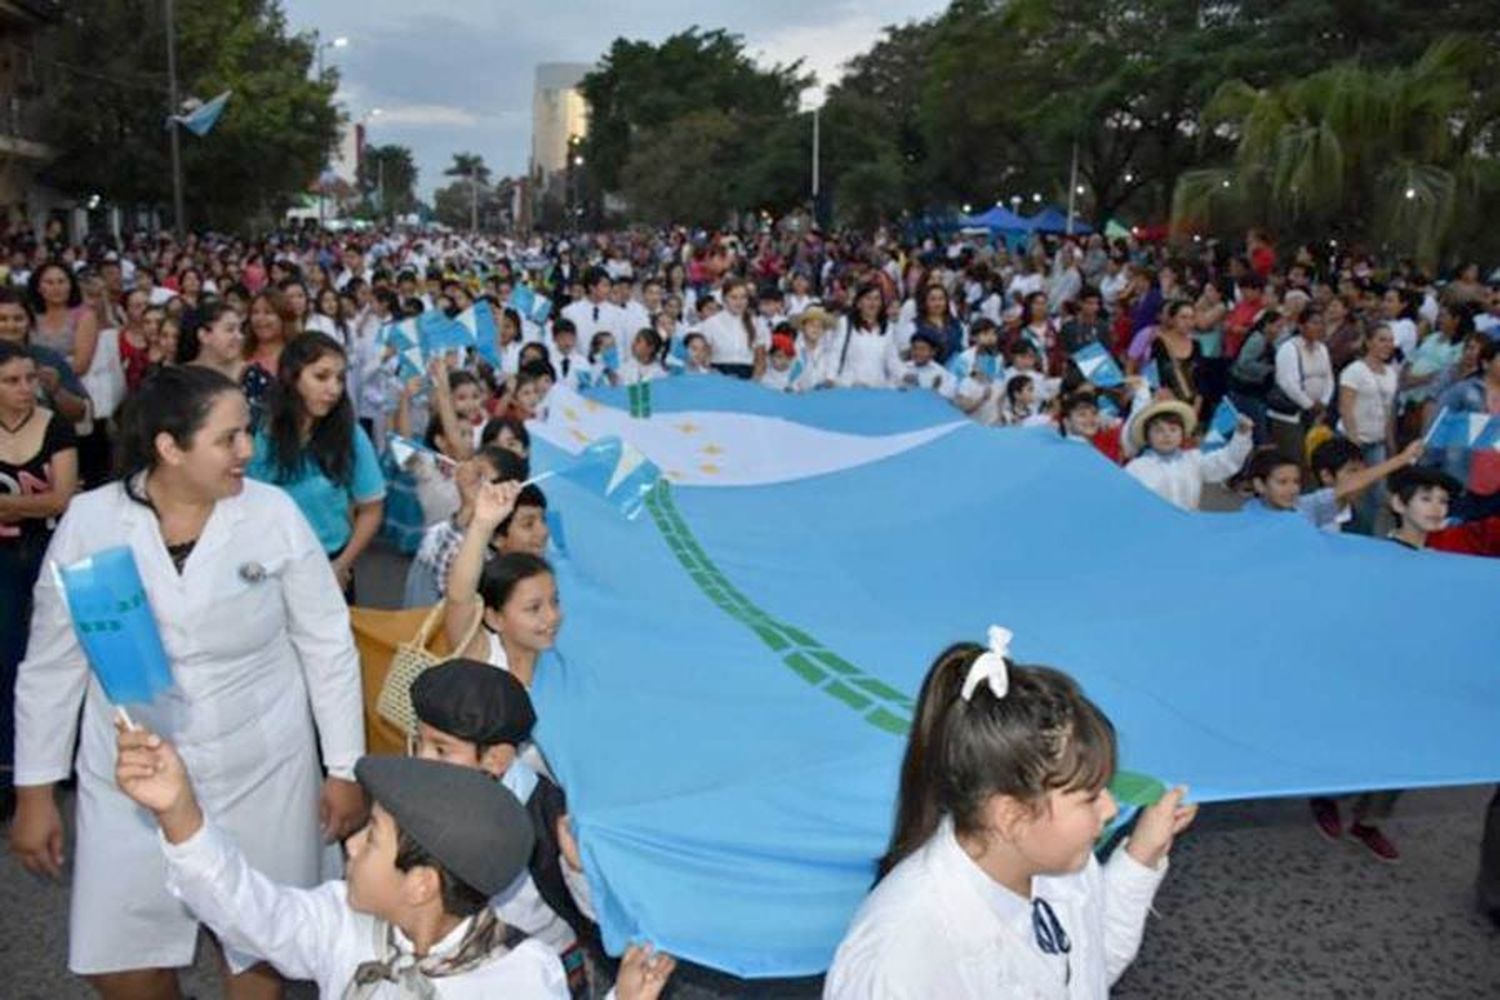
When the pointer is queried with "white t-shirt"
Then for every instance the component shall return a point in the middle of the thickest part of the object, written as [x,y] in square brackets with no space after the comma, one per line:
[1374,401]
[1405,332]
[728,343]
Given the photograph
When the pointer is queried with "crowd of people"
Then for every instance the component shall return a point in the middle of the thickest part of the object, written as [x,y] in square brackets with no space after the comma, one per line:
[228,407]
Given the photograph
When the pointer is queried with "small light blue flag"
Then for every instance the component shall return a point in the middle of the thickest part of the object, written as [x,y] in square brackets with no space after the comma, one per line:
[988,365]
[441,335]
[1221,428]
[677,350]
[1098,366]
[611,358]
[405,338]
[201,120]
[404,449]
[794,373]
[479,320]
[115,627]
[529,304]
[1152,374]
[1107,405]
[1467,431]
[616,471]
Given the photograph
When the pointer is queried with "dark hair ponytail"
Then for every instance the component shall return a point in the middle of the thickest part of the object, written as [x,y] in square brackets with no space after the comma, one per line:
[195,321]
[173,401]
[1043,735]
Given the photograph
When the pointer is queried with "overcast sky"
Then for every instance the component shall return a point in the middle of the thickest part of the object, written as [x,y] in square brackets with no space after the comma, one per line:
[458,75]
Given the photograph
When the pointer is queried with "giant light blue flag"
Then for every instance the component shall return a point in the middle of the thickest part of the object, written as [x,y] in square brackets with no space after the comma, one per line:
[728,701]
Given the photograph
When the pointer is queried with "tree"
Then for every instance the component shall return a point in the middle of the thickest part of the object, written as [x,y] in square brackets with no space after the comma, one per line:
[1387,155]
[640,88]
[470,165]
[108,97]
[473,190]
[389,179]
[679,170]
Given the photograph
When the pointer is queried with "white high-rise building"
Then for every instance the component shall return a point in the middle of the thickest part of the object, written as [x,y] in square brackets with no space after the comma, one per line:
[558,113]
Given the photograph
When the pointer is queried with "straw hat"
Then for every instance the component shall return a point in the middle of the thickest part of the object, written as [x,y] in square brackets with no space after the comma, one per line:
[1161,406]
[814,313]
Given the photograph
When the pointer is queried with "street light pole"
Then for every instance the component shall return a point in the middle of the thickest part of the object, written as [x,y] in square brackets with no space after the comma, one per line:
[816,151]
[179,222]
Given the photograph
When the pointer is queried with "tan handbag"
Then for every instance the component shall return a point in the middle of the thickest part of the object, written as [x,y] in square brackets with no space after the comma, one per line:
[409,660]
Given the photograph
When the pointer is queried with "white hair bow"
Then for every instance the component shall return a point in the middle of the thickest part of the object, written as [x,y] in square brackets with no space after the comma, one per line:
[990,665]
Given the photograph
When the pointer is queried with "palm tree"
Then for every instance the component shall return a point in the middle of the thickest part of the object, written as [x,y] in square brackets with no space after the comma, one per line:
[470,165]
[1385,154]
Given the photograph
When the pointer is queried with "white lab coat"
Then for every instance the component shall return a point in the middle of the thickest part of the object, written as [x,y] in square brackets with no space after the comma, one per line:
[255,663]
[313,934]
[930,930]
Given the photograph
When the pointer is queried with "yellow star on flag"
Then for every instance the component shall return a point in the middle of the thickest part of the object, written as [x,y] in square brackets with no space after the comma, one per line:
[708,468]
[712,449]
[580,437]
[592,405]
[688,428]
[570,413]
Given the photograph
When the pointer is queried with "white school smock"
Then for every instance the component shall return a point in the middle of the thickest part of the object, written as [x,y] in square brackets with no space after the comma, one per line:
[728,343]
[313,934]
[869,360]
[257,634]
[1178,478]
[930,376]
[930,930]
[632,372]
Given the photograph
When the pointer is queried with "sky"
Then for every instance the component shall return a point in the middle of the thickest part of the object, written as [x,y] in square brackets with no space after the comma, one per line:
[458,75]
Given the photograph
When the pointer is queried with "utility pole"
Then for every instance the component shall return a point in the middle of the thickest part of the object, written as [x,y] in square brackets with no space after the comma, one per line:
[474,199]
[179,221]
[1072,187]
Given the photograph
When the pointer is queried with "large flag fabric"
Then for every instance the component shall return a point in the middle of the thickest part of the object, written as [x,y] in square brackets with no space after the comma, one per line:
[201,120]
[728,701]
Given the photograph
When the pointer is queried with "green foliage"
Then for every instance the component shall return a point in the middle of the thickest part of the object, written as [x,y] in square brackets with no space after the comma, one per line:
[107,93]
[1385,155]
[392,170]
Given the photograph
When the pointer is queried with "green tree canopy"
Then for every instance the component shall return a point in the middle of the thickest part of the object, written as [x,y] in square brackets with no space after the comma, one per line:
[107,92]
[390,170]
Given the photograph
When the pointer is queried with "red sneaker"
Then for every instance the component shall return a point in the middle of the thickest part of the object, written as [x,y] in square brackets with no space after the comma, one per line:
[1326,815]
[1377,842]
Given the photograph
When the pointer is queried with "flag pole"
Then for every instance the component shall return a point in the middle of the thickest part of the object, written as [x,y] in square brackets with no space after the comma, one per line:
[179,222]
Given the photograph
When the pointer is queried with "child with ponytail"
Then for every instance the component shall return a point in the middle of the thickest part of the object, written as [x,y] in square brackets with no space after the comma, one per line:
[990,886]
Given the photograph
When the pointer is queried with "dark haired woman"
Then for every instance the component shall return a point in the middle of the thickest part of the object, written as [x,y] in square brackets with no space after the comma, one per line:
[261,651]
[213,337]
[38,474]
[310,446]
[738,341]
[990,887]
[63,323]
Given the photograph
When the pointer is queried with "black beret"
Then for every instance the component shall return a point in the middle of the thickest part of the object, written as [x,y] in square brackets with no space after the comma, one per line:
[470,823]
[475,702]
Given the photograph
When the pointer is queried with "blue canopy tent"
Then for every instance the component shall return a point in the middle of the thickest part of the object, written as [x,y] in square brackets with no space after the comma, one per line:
[1053,220]
[1003,223]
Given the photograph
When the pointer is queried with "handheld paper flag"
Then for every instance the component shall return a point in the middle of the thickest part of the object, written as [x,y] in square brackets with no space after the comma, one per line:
[1221,428]
[988,365]
[1098,366]
[405,338]
[794,374]
[403,450]
[441,335]
[1152,374]
[201,119]
[678,350]
[616,471]
[113,621]
[611,358]
[479,321]
[1469,431]
[529,304]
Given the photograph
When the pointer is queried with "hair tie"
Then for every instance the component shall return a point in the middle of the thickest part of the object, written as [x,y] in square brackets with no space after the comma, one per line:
[990,666]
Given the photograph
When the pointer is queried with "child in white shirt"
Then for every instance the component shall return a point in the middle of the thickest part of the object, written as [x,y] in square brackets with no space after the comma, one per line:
[990,887]
[1175,473]
[781,371]
[923,371]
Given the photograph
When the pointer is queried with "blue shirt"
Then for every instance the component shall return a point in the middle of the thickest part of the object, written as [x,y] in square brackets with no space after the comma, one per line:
[324,503]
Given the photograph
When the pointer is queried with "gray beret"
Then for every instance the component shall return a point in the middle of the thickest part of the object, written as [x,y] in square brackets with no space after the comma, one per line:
[470,823]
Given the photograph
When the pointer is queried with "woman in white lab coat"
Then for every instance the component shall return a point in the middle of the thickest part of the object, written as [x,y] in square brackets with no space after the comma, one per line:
[990,887]
[867,351]
[261,652]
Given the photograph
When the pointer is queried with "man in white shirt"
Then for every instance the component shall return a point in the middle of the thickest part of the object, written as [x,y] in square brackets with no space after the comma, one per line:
[632,316]
[595,312]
